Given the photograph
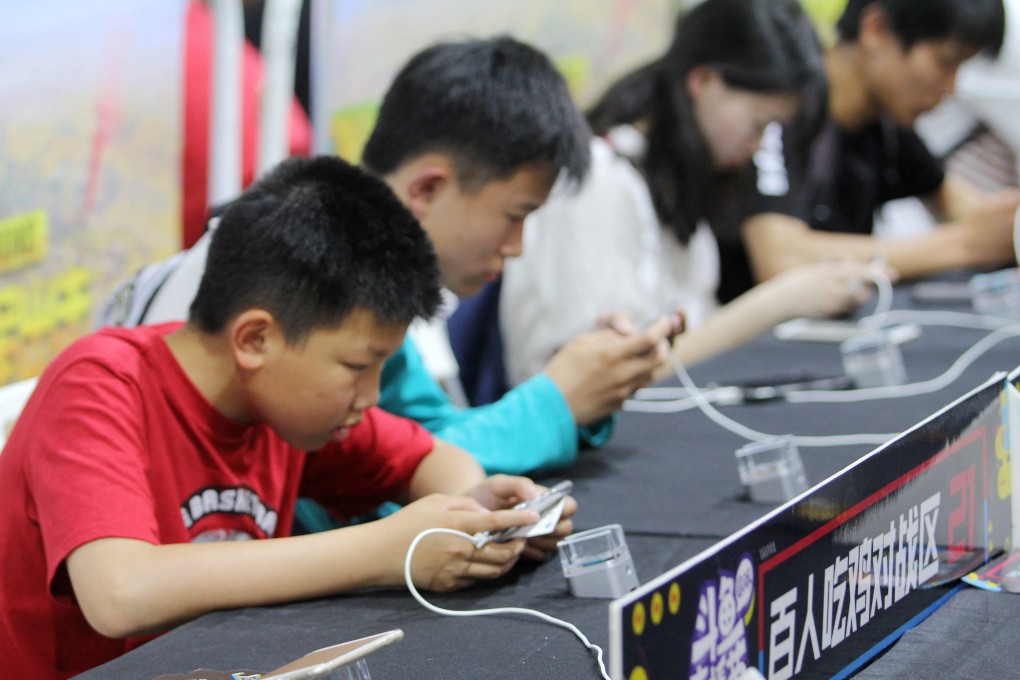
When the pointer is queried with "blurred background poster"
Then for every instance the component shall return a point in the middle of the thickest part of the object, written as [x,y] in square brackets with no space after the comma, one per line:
[90,149]
[91,129]
[363,43]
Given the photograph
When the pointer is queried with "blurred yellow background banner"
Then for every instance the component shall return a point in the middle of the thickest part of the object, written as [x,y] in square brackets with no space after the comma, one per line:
[367,41]
[90,148]
[23,240]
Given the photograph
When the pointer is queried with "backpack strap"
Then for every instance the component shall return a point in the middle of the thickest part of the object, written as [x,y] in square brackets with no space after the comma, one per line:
[130,300]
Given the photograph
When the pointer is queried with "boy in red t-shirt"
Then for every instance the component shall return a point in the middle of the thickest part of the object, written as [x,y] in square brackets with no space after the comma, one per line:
[147,457]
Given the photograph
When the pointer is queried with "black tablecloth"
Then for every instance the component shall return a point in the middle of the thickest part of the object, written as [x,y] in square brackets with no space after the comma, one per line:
[671,481]
[676,473]
[974,635]
[434,646]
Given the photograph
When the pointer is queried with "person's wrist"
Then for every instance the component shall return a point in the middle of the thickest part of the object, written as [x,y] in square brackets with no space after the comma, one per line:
[382,546]
[568,397]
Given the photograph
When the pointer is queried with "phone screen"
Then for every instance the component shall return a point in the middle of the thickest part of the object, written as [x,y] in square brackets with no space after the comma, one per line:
[542,504]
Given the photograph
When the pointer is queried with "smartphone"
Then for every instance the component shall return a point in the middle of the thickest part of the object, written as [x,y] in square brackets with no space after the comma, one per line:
[817,330]
[677,319]
[319,663]
[778,388]
[542,504]
[941,292]
[834,331]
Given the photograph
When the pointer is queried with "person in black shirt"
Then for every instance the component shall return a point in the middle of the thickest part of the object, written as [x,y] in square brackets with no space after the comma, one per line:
[893,60]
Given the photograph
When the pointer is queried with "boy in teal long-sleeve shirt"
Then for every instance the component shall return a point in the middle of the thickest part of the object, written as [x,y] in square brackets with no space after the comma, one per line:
[471,137]
[493,433]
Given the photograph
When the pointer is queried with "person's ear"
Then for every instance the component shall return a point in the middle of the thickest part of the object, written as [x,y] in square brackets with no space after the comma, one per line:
[874,28]
[698,79]
[426,185]
[254,337]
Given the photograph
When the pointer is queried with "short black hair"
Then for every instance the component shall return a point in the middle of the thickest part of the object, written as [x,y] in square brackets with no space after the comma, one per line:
[310,242]
[492,105]
[978,23]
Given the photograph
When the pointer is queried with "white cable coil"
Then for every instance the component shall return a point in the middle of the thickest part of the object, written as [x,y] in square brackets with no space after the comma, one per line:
[673,400]
[478,542]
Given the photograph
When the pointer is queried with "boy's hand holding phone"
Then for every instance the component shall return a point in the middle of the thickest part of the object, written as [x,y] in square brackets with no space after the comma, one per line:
[442,562]
[555,505]
[597,371]
[496,507]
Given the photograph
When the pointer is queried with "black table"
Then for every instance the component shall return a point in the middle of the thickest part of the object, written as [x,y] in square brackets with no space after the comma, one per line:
[671,481]
[263,638]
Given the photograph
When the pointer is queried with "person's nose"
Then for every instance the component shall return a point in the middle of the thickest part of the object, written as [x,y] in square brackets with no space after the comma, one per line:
[513,244]
[949,83]
[367,394]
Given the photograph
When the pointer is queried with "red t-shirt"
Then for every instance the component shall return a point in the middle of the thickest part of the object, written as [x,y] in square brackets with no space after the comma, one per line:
[117,442]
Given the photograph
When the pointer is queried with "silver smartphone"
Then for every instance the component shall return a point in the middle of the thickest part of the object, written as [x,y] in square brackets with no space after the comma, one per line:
[322,661]
[541,504]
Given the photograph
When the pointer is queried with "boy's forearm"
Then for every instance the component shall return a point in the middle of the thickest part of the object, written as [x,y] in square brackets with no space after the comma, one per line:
[776,243]
[730,326]
[128,587]
[950,245]
[943,248]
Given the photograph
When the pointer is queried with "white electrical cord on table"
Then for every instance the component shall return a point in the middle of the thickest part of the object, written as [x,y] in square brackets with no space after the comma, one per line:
[658,400]
[912,389]
[479,541]
[885,292]
[965,359]
[742,430]
[937,318]
[675,400]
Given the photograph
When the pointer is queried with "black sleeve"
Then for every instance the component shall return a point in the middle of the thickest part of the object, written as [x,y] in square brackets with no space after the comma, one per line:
[773,184]
[777,183]
[917,171]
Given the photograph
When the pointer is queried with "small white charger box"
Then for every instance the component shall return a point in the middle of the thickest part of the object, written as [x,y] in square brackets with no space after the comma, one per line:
[597,563]
[997,293]
[771,470]
[873,360]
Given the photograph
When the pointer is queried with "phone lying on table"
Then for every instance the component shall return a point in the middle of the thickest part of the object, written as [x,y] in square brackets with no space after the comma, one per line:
[817,330]
[836,331]
[321,662]
[548,504]
[941,292]
[317,665]
[779,387]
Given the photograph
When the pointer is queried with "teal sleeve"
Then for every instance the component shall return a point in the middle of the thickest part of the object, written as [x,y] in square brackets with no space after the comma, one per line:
[530,428]
[598,433]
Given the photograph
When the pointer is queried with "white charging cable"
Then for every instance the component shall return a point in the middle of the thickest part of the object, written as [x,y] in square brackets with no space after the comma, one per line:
[883,284]
[699,398]
[675,400]
[937,318]
[742,430]
[939,382]
[479,540]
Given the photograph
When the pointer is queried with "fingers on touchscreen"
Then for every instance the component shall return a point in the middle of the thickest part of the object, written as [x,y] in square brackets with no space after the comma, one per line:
[544,504]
